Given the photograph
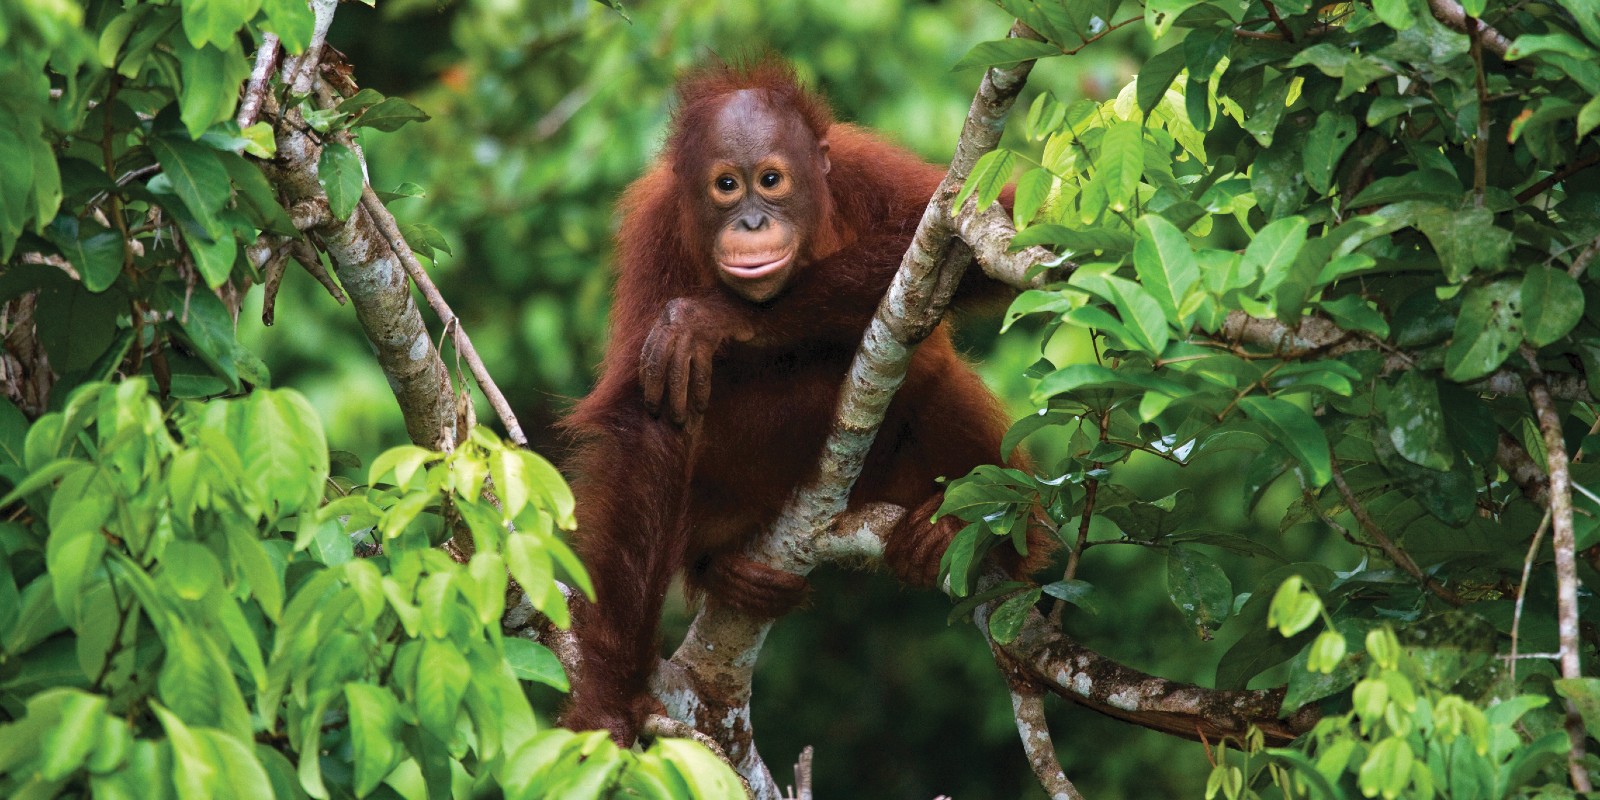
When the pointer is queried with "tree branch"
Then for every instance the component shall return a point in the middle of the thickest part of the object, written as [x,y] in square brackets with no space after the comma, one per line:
[1454,17]
[1564,541]
[1400,557]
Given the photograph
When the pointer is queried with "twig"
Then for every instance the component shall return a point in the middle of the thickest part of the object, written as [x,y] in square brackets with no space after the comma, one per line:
[306,256]
[1480,144]
[1522,592]
[430,292]
[1584,258]
[1565,544]
[256,89]
[1558,176]
[1400,557]
[1277,21]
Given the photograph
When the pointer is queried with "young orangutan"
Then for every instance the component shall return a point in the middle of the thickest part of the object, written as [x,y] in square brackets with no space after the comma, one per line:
[751,257]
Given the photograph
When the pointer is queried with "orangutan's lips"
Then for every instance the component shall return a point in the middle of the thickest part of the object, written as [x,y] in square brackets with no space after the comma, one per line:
[755,266]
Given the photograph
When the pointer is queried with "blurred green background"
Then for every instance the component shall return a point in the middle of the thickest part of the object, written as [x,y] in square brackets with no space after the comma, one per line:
[542,113]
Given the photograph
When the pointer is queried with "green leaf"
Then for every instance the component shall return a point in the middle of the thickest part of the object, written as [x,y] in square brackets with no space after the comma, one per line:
[1076,592]
[1397,14]
[1268,110]
[1032,190]
[216,21]
[374,734]
[391,114]
[1165,264]
[1488,330]
[1198,588]
[1466,240]
[256,196]
[1121,162]
[424,239]
[705,774]
[339,172]
[442,675]
[197,177]
[1584,694]
[1329,138]
[1589,116]
[1416,422]
[1155,77]
[989,176]
[1428,184]
[1552,304]
[1007,620]
[1160,14]
[292,20]
[532,661]
[211,78]
[95,252]
[1296,431]
[1353,313]
[1143,324]
[1073,241]
[1005,53]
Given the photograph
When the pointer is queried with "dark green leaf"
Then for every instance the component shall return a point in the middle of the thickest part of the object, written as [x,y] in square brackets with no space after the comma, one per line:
[1199,588]
[1005,53]
[197,177]
[1155,77]
[339,172]
[1295,430]
[1073,241]
[391,114]
[1466,240]
[1552,303]
[1416,422]
[1326,144]
[1078,593]
[1008,618]
[96,252]
[1488,330]
[211,77]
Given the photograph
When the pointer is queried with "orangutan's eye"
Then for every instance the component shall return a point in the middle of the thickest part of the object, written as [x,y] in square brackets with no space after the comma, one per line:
[726,184]
[771,179]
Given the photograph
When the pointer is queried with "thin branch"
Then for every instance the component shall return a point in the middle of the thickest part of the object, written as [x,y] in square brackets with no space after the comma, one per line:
[1277,22]
[1584,258]
[1565,544]
[802,774]
[1558,176]
[1522,593]
[1480,143]
[255,90]
[1394,552]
